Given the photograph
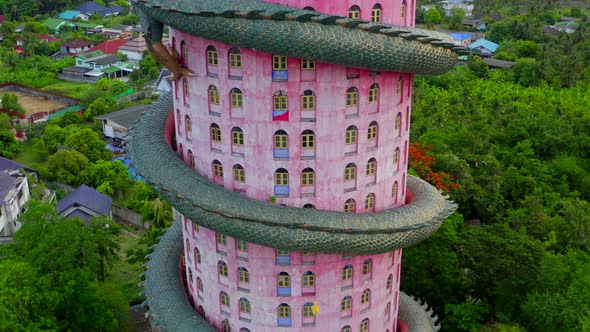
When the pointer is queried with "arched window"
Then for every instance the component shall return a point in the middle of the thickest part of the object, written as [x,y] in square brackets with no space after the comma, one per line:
[197,257]
[308,315]
[398,124]
[371,167]
[199,286]
[284,315]
[365,325]
[389,283]
[237,99]
[347,272]
[280,106]
[178,120]
[308,100]
[394,191]
[243,275]
[308,139]
[374,93]
[237,136]
[281,145]
[346,306]
[180,151]
[284,280]
[188,126]
[309,8]
[191,158]
[388,311]
[376,13]
[243,329]
[217,169]
[183,53]
[239,173]
[346,329]
[215,133]
[404,9]
[370,202]
[351,135]
[245,306]
[372,131]
[212,56]
[354,12]
[186,90]
[226,326]
[350,205]
[235,58]
[400,86]
[308,206]
[396,160]
[213,95]
[352,95]
[281,177]
[308,279]
[224,299]
[366,296]
[308,177]
[350,172]
[222,269]
[367,267]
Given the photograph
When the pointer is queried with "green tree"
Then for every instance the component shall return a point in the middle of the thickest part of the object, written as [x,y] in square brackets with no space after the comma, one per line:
[158,212]
[70,167]
[107,174]
[98,107]
[87,142]
[526,72]
[432,17]
[9,146]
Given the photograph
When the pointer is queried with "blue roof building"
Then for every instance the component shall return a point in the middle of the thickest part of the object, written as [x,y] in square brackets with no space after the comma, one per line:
[84,203]
[93,8]
[69,14]
[486,47]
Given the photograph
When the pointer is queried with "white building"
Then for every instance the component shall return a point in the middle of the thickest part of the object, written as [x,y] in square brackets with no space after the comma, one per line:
[14,193]
[449,5]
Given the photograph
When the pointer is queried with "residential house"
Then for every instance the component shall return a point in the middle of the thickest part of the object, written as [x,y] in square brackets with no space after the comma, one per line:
[14,194]
[465,5]
[71,15]
[89,28]
[91,8]
[461,38]
[55,24]
[94,65]
[111,33]
[42,37]
[76,47]
[134,49]
[109,46]
[570,19]
[484,47]
[475,24]
[116,125]
[11,165]
[163,84]
[84,203]
[493,16]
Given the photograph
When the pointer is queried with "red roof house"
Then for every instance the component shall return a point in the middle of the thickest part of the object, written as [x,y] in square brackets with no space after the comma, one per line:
[109,46]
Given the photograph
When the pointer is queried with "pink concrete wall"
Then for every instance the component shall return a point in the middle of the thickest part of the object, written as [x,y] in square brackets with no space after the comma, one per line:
[261,292]
[332,118]
[331,155]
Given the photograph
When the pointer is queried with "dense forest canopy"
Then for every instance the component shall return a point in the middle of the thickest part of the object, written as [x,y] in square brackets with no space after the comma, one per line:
[515,143]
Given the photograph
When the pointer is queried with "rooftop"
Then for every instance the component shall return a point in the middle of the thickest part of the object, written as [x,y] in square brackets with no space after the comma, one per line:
[7,181]
[125,118]
[87,197]
[498,63]
[490,45]
[69,14]
[77,43]
[92,7]
[109,46]
[104,59]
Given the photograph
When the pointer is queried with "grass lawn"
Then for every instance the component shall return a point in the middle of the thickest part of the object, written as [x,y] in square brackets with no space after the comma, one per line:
[28,157]
[123,273]
[71,89]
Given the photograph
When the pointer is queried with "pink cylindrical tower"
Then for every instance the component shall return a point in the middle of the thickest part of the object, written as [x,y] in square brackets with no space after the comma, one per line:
[300,133]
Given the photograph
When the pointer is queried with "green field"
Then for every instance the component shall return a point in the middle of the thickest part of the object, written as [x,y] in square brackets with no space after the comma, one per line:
[70,89]
[28,157]
[124,274]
